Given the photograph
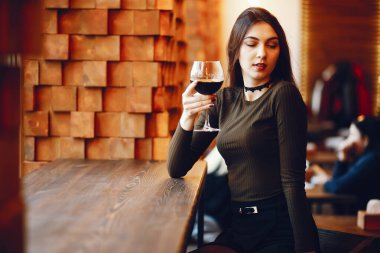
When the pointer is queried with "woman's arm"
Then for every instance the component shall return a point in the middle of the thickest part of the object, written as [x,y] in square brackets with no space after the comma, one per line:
[187,146]
[291,119]
[351,181]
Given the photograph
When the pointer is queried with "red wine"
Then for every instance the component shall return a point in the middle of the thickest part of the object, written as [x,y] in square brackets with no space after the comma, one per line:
[208,86]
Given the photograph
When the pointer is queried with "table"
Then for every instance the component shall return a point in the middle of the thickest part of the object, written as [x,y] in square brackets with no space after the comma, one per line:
[324,158]
[110,206]
[342,223]
[340,234]
[318,196]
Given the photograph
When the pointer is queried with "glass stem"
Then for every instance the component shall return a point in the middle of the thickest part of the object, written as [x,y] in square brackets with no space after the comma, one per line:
[207,121]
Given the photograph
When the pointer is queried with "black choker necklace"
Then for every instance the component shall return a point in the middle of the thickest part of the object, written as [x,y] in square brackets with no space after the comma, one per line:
[259,88]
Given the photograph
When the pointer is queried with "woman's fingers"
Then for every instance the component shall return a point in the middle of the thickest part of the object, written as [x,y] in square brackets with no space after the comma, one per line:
[201,103]
[197,109]
[196,98]
[193,102]
[190,89]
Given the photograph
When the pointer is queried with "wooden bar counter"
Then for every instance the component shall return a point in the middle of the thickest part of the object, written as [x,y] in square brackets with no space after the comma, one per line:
[110,206]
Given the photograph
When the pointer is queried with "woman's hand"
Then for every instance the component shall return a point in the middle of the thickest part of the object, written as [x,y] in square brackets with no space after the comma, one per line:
[192,103]
[345,149]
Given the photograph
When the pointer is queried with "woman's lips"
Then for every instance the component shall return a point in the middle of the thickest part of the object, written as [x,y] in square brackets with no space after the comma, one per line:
[259,66]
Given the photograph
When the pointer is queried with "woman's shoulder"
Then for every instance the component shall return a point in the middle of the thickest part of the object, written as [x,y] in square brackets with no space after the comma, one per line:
[371,156]
[283,86]
[284,90]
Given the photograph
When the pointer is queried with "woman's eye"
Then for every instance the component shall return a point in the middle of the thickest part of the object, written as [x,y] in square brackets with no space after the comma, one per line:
[272,45]
[251,44]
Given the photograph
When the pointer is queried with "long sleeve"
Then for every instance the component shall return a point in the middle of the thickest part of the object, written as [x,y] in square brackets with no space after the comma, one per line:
[187,146]
[350,179]
[292,124]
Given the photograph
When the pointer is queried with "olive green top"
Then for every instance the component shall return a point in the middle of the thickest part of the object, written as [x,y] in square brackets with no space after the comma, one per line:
[263,143]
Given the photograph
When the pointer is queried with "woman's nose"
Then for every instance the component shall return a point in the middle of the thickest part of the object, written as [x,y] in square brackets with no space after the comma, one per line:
[261,52]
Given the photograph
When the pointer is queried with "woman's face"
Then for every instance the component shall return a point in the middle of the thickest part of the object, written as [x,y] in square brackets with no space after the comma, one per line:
[357,140]
[258,54]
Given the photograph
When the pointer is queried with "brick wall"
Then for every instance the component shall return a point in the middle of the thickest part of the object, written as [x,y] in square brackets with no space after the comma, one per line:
[107,84]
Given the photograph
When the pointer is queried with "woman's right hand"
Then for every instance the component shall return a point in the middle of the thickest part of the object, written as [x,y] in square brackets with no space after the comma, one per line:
[192,103]
[345,149]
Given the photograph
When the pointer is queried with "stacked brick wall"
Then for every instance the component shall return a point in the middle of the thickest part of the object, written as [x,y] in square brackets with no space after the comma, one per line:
[108,81]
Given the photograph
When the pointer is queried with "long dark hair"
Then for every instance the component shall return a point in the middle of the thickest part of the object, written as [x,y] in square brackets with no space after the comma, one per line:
[370,127]
[247,18]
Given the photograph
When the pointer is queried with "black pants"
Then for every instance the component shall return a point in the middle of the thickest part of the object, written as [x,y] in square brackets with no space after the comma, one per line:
[261,226]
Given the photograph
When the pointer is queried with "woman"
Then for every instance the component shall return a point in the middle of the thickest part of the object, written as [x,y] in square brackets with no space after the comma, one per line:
[263,140]
[357,169]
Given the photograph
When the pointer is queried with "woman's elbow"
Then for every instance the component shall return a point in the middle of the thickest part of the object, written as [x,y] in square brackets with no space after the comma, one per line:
[175,171]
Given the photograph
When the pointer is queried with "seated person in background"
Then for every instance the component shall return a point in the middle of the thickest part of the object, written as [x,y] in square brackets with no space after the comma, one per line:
[357,170]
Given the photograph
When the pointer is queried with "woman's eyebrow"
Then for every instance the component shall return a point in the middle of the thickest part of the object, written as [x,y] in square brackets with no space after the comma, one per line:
[254,38]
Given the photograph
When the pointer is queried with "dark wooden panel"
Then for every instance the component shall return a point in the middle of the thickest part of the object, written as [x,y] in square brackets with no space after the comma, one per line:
[109,206]
[339,30]
[11,213]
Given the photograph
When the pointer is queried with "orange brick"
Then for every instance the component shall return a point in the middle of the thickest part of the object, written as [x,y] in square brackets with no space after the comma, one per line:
[85,73]
[160,148]
[29,148]
[144,149]
[98,148]
[55,46]
[147,22]
[120,74]
[134,48]
[121,22]
[82,4]
[108,4]
[47,149]
[133,125]
[36,124]
[122,148]
[146,74]
[160,4]
[72,148]
[28,167]
[56,3]
[43,96]
[60,124]
[159,102]
[139,99]
[28,98]
[64,98]
[174,117]
[114,99]
[107,124]
[50,72]
[133,4]
[168,71]
[106,48]
[153,22]
[90,99]
[83,22]
[82,124]
[158,124]
[30,72]
[167,23]
[49,21]
[173,97]
[164,48]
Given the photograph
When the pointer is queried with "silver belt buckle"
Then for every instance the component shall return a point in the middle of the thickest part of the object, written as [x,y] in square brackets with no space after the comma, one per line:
[248,210]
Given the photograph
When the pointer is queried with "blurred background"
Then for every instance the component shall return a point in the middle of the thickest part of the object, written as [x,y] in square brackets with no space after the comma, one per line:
[102,79]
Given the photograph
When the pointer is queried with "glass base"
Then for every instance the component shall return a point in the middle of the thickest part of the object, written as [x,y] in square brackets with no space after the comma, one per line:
[207,129]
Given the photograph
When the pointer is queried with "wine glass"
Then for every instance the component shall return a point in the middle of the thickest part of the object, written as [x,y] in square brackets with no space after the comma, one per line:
[209,75]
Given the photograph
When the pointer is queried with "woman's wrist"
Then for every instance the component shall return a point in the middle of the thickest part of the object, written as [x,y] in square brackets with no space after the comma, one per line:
[187,122]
